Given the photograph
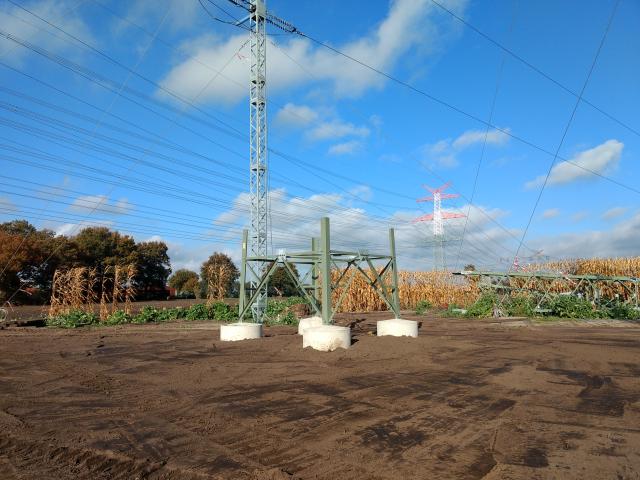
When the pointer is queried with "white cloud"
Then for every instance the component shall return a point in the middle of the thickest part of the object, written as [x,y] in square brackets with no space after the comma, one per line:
[598,159]
[619,241]
[323,124]
[21,24]
[346,148]
[409,27]
[579,216]
[296,220]
[444,153]
[362,192]
[614,212]
[551,213]
[292,115]
[75,228]
[100,204]
[471,137]
[335,129]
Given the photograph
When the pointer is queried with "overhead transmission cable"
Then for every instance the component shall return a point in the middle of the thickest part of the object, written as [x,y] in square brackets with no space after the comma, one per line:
[486,135]
[492,219]
[531,66]
[467,114]
[569,122]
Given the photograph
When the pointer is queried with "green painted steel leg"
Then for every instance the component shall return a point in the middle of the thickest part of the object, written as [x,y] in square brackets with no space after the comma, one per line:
[315,275]
[242,300]
[394,272]
[325,248]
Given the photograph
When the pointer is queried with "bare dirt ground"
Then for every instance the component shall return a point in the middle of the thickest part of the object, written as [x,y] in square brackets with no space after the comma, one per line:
[468,399]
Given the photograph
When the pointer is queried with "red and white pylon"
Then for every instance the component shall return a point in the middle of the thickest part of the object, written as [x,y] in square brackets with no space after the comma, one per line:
[438,217]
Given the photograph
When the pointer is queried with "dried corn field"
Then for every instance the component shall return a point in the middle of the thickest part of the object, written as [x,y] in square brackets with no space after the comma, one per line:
[442,289]
[78,289]
[590,266]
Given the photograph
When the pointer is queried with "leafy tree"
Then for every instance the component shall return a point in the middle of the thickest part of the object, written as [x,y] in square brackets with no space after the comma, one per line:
[219,271]
[153,266]
[183,277]
[99,247]
[470,268]
[192,286]
[28,258]
[281,284]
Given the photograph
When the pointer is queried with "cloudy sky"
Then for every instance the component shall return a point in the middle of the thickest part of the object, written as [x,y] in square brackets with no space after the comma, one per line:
[134,115]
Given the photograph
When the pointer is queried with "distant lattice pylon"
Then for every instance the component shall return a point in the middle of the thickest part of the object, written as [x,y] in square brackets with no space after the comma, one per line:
[438,217]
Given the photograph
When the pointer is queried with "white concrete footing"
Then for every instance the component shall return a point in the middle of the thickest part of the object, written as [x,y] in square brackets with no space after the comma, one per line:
[398,328]
[326,337]
[305,323]
[240,331]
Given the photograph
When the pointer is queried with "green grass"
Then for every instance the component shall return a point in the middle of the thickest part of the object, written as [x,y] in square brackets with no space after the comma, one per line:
[422,306]
[217,311]
[279,312]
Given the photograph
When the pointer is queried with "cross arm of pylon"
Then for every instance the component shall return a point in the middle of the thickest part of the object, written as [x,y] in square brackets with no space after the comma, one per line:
[442,195]
[281,24]
[268,17]
[424,218]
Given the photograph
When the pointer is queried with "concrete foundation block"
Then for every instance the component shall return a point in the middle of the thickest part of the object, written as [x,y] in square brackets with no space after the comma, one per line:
[305,323]
[398,327]
[240,331]
[326,338]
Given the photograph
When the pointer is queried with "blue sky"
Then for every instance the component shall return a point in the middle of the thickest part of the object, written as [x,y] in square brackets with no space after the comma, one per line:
[159,149]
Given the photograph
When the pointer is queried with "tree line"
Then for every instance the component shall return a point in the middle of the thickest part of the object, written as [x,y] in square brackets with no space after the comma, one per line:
[29,258]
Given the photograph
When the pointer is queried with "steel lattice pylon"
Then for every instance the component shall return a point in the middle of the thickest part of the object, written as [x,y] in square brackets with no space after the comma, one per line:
[258,174]
[438,217]
[258,182]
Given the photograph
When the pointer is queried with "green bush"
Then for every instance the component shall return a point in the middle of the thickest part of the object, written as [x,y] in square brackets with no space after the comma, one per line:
[422,306]
[569,306]
[198,311]
[520,306]
[118,318]
[483,307]
[147,315]
[216,311]
[73,319]
[223,312]
[279,312]
[621,311]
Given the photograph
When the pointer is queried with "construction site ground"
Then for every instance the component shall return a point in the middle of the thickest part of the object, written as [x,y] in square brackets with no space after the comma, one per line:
[468,399]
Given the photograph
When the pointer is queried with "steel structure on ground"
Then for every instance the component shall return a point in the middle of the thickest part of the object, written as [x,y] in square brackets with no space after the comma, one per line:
[317,286]
[542,286]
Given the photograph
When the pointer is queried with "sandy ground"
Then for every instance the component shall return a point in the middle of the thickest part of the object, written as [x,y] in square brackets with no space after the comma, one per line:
[468,399]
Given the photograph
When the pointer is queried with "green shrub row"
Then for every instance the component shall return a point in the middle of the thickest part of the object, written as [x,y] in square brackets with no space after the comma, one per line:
[562,306]
[422,306]
[216,311]
[279,312]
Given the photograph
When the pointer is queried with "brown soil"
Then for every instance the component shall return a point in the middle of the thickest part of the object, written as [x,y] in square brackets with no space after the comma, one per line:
[467,400]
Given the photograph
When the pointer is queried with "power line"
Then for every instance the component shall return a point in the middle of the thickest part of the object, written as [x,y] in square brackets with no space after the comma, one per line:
[493,220]
[510,52]
[568,125]
[467,114]
[486,135]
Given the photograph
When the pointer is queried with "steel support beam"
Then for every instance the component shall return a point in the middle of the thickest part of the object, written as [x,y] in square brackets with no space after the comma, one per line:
[325,265]
[394,272]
